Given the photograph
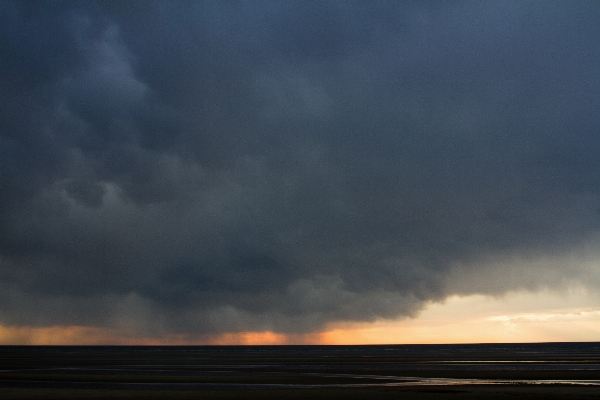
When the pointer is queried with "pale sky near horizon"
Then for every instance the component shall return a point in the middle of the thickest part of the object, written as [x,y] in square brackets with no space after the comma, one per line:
[299,171]
[517,318]
[568,316]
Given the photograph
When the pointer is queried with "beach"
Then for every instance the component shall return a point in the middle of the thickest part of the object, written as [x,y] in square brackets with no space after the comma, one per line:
[458,393]
[548,371]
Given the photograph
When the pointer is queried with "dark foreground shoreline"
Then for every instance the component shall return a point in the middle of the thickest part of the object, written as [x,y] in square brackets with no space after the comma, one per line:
[492,371]
[542,392]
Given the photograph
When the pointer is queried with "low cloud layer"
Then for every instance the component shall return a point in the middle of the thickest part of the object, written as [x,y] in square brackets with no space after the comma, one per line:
[206,167]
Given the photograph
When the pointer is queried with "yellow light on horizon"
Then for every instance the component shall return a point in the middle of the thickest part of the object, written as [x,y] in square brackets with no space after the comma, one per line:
[518,317]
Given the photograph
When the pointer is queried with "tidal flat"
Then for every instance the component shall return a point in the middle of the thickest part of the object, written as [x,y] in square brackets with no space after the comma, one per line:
[494,371]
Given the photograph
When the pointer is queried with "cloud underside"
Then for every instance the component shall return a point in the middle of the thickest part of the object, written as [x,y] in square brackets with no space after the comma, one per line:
[206,167]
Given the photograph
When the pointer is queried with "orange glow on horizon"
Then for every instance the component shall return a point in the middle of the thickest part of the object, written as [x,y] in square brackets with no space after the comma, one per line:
[520,317]
[54,335]
[84,335]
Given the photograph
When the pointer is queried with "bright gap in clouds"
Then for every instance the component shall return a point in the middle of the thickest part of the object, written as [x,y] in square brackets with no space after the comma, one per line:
[517,317]
[546,316]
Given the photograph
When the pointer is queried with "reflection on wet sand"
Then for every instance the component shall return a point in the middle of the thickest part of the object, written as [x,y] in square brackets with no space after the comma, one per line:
[235,369]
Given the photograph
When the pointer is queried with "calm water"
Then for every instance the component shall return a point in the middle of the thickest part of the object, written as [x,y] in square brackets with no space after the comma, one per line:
[298,366]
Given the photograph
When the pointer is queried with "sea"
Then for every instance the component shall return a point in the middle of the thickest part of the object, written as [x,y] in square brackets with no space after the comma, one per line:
[302,366]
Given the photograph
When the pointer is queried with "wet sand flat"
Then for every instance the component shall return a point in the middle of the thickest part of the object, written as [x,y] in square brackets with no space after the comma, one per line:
[552,370]
[542,392]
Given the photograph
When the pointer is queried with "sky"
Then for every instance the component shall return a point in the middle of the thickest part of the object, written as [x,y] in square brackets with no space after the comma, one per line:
[221,172]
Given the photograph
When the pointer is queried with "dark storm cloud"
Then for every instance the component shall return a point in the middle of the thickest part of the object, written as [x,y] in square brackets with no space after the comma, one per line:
[210,166]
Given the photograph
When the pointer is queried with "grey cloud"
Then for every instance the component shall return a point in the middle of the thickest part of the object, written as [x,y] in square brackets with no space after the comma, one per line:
[209,167]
